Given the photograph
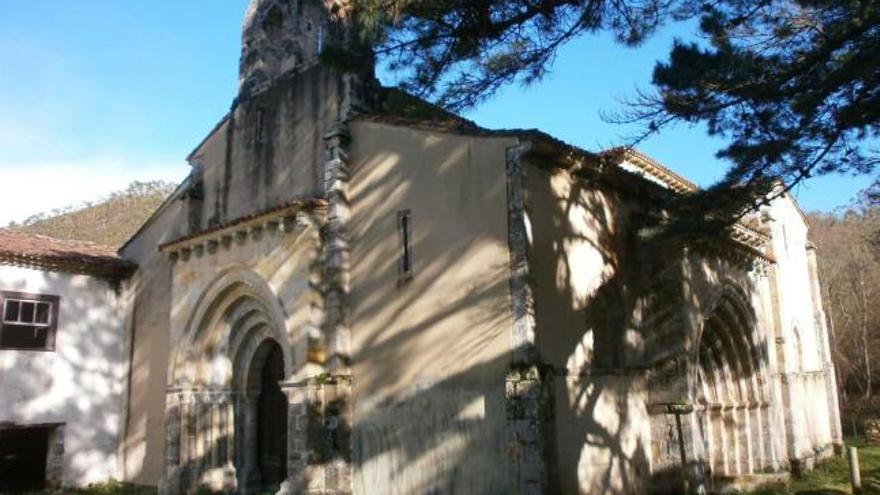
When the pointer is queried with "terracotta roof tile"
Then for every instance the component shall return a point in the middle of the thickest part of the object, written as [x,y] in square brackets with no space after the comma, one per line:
[305,203]
[49,253]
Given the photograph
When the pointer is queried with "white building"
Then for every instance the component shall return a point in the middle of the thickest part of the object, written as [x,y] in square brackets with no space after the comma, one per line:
[62,362]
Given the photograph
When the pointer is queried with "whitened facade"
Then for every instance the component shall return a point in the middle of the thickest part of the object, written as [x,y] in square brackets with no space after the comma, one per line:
[62,363]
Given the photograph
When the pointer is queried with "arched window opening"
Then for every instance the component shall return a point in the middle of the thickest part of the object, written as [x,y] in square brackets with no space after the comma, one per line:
[798,350]
[273,21]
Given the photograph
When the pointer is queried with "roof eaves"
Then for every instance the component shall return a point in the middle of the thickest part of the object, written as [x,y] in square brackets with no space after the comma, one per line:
[204,140]
[110,269]
[287,207]
[572,156]
[72,256]
[652,167]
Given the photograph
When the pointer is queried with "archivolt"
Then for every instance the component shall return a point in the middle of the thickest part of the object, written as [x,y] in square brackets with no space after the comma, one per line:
[729,368]
[731,311]
[233,316]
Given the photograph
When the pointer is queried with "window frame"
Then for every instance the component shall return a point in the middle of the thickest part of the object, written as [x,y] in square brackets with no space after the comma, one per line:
[51,328]
[259,126]
[405,268]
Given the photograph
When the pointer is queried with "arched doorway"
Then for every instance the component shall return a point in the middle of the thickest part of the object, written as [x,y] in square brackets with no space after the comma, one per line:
[731,401]
[262,429]
[227,414]
[272,421]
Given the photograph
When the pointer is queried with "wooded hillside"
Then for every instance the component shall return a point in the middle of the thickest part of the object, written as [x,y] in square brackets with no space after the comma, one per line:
[849,264]
[110,221]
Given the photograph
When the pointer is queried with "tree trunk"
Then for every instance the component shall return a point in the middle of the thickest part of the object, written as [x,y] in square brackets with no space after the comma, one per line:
[864,337]
[835,351]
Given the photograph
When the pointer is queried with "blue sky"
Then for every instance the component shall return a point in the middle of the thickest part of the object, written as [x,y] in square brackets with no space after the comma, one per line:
[96,94]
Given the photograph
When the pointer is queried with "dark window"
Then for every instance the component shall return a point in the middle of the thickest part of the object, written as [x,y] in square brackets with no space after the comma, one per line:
[273,22]
[404,229]
[23,453]
[258,132]
[28,322]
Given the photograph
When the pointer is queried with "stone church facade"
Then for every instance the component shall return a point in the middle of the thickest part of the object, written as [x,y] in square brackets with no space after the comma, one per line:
[355,292]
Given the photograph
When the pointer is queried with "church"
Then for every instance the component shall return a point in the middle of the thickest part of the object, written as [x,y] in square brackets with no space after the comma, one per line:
[355,292]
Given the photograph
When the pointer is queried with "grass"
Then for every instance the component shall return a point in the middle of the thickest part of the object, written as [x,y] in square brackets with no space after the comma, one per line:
[109,488]
[831,477]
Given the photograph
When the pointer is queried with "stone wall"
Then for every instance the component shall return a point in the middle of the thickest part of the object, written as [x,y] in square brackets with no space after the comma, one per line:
[673,318]
[147,342]
[595,295]
[270,147]
[236,289]
[430,350]
[268,150]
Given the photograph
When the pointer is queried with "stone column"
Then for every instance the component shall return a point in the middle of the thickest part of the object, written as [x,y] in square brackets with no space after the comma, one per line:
[718,438]
[221,441]
[793,427]
[322,447]
[203,422]
[785,389]
[336,249]
[170,483]
[740,415]
[249,478]
[337,423]
[323,407]
[189,439]
[228,410]
[703,428]
[759,458]
[297,438]
[518,242]
[215,434]
[528,386]
[529,407]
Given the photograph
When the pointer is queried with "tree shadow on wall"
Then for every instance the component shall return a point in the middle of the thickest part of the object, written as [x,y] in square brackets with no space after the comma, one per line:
[432,355]
[431,413]
[81,383]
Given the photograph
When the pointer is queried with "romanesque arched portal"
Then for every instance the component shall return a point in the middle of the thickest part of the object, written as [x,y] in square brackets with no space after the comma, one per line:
[226,409]
[731,397]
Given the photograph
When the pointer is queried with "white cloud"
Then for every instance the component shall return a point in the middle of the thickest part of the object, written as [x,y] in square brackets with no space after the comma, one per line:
[27,189]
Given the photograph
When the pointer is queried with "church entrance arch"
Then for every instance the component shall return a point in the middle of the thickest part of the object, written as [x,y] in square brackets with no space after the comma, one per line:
[731,399]
[227,412]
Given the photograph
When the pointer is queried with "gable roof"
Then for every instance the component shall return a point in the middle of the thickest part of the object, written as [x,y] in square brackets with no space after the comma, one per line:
[48,253]
[400,109]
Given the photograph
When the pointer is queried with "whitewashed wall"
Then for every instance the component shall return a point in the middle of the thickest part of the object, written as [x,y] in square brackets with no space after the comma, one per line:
[81,383]
[789,238]
[803,334]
